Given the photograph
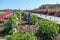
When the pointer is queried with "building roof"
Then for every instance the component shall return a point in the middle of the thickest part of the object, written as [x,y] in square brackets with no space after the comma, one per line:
[50,6]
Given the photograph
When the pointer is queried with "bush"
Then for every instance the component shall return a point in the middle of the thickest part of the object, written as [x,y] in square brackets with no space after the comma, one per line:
[47,29]
[19,36]
[14,19]
[18,15]
[34,19]
[25,15]
[7,27]
[8,24]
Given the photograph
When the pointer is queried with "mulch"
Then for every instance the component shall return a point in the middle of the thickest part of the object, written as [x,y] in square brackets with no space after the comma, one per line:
[25,27]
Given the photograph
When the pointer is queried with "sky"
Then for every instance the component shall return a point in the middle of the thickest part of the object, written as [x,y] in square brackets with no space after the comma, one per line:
[25,4]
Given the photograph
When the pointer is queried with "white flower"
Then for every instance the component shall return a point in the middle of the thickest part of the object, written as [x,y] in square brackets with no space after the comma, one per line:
[14,30]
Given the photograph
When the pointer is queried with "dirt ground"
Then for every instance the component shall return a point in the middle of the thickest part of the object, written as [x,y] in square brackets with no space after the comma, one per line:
[23,28]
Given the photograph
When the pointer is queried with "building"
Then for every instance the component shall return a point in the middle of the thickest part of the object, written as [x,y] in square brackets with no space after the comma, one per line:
[49,6]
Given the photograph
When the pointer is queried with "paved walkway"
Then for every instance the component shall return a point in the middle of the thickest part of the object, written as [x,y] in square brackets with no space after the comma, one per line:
[48,17]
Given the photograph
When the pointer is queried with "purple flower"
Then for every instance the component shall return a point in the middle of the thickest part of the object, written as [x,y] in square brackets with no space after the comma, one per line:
[29,18]
[12,25]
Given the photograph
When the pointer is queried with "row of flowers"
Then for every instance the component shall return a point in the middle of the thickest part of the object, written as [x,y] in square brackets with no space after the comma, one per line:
[6,16]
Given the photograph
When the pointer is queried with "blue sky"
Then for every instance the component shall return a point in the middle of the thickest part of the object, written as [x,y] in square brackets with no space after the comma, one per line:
[24,4]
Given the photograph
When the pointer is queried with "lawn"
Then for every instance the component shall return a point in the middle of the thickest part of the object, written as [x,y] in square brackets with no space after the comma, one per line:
[1,13]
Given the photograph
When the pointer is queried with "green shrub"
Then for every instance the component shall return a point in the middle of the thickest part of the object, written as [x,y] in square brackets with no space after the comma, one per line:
[59,28]
[14,19]
[47,29]
[18,15]
[19,36]
[34,19]
[25,15]
[8,26]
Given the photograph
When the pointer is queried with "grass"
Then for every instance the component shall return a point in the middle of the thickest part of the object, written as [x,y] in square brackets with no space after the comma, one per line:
[1,13]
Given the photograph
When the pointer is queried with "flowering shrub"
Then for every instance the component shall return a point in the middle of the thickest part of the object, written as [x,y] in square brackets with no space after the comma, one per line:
[8,23]
[14,19]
